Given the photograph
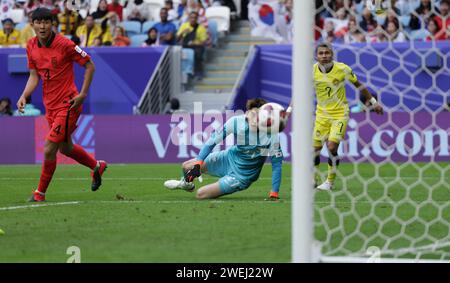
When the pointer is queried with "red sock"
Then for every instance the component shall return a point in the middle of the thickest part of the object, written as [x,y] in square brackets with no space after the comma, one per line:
[48,168]
[81,156]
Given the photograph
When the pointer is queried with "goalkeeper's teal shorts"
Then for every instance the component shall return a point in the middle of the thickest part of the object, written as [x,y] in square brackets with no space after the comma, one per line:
[218,164]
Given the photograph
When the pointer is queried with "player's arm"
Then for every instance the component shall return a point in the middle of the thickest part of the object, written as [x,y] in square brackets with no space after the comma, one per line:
[88,76]
[277,160]
[32,83]
[364,91]
[350,76]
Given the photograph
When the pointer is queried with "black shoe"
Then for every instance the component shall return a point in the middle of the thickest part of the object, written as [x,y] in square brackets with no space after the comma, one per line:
[97,175]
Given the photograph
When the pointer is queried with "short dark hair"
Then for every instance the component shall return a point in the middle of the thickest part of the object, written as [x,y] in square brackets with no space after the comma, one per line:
[324,45]
[42,14]
[255,103]
[7,20]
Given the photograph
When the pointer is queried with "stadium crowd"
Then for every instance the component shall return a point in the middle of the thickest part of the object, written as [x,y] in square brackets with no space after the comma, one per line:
[348,21]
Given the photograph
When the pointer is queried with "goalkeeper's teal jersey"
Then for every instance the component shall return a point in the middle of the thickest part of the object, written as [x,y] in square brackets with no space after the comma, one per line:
[250,151]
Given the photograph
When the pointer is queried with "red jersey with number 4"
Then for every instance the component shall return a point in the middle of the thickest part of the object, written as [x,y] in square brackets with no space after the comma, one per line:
[54,64]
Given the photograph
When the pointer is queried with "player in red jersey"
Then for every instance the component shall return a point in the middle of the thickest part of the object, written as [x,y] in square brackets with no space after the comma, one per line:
[50,58]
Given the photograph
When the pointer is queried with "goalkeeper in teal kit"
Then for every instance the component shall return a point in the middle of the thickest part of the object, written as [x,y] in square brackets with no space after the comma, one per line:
[238,166]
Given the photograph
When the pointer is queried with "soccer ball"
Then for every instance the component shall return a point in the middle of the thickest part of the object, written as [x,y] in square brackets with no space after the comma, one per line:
[272,118]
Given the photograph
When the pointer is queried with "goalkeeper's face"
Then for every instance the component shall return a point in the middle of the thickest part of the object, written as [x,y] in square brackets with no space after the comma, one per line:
[324,55]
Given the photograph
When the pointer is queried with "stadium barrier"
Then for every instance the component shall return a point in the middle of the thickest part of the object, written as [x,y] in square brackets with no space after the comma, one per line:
[153,138]
[121,77]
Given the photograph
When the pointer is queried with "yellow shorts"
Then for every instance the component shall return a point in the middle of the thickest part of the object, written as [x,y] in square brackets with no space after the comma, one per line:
[329,129]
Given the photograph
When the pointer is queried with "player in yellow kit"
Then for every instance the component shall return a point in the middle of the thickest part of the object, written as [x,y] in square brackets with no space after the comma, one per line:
[332,112]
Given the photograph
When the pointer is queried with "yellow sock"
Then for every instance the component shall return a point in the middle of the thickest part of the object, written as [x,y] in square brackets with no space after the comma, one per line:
[317,178]
[331,173]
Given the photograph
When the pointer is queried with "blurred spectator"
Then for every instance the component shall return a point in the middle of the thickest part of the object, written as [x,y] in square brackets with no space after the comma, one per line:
[5,107]
[354,34]
[393,32]
[55,24]
[435,32]
[117,8]
[166,29]
[194,35]
[29,110]
[285,24]
[90,30]
[420,16]
[102,11]
[139,10]
[31,5]
[340,23]
[110,23]
[328,32]
[378,35]
[173,106]
[27,32]
[5,8]
[391,17]
[51,6]
[98,42]
[8,35]
[443,19]
[318,27]
[181,9]
[120,39]
[195,6]
[69,20]
[368,23]
[172,14]
[152,39]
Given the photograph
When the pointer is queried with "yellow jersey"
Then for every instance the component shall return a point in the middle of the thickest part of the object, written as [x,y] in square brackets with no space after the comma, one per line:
[330,90]
[10,39]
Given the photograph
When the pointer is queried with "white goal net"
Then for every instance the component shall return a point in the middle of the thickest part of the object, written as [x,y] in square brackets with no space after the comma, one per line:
[391,197]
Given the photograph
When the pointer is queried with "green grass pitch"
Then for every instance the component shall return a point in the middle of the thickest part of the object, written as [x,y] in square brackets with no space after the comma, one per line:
[132,218]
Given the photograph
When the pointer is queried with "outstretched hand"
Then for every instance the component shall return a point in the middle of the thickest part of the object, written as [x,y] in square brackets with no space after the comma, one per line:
[193,173]
[378,109]
[21,104]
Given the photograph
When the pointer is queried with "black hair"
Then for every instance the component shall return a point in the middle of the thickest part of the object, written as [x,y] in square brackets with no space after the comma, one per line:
[42,14]
[255,103]
[325,45]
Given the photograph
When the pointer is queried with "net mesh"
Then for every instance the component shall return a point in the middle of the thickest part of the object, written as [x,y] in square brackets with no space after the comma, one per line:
[392,190]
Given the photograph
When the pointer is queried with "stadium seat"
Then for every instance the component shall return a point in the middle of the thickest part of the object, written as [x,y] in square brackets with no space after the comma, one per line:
[147,25]
[132,27]
[404,20]
[221,15]
[213,31]
[137,40]
[419,35]
[17,15]
[20,26]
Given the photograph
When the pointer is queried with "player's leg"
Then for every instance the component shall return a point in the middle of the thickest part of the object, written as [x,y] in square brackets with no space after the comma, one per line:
[48,169]
[226,185]
[76,152]
[210,191]
[337,134]
[320,134]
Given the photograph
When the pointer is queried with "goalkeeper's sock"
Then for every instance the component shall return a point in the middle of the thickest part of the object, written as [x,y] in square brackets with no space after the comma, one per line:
[81,156]
[48,168]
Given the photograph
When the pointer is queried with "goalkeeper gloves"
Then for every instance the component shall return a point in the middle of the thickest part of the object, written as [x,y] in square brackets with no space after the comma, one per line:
[193,173]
